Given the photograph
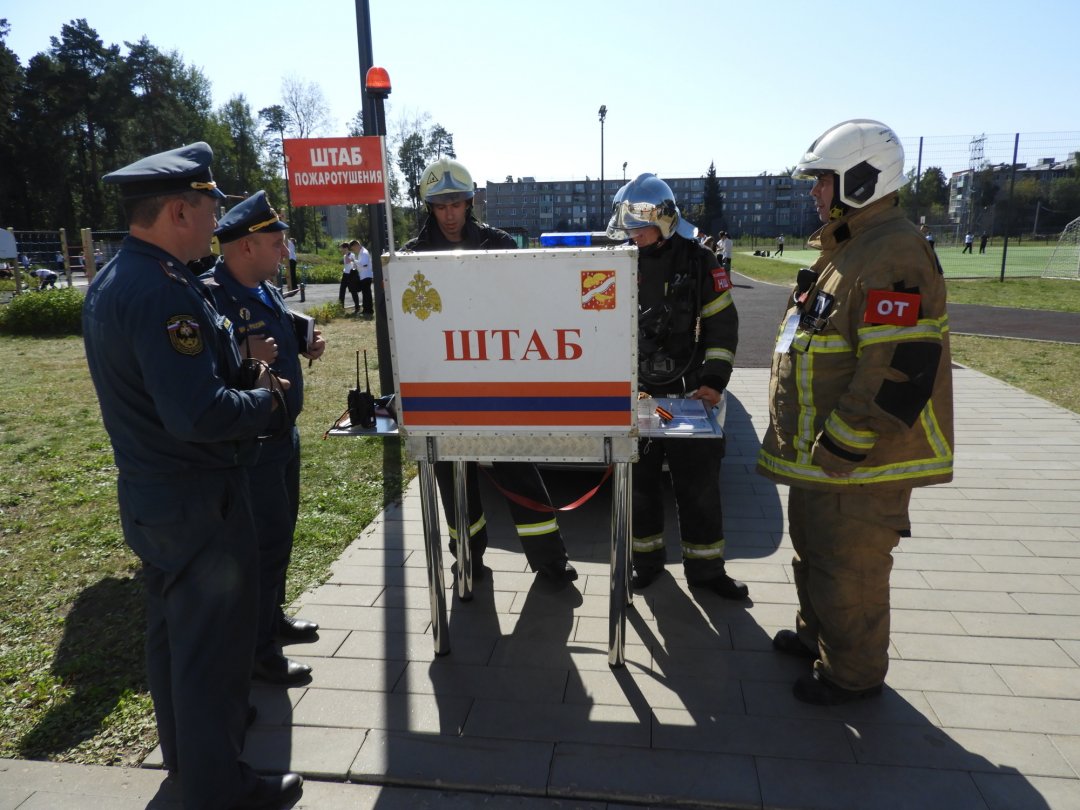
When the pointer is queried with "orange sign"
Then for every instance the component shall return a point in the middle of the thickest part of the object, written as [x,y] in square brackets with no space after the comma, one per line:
[334,171]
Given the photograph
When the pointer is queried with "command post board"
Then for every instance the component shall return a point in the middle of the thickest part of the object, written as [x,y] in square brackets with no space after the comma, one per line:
[529,354]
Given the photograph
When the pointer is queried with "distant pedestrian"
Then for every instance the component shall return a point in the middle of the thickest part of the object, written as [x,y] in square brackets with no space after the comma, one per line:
[363,264]
[292,263]
[46,278]
[780,245]
[969,241]
[929,235]
[982,242]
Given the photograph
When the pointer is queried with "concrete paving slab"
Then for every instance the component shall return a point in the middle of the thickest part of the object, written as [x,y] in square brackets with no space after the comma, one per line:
[656,776]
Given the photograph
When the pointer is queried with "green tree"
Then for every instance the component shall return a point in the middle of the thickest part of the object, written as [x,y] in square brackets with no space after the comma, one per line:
[712,209]
[12,187]
[83,61]
[440,143]
[237,157]
[412,158]
[171,99]
[1065,198]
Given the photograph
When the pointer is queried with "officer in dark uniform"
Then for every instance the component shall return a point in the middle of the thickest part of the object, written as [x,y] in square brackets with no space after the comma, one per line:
[252,239]
[446,187]
[164,366]
[687,334]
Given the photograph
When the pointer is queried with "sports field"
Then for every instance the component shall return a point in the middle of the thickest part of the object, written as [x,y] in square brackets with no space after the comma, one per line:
[1023,260]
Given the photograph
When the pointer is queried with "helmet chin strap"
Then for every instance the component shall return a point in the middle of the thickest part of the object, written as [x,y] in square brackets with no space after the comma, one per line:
[837,208]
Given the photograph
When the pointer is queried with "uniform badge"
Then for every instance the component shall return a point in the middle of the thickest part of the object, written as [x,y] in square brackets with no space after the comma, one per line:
[897,308]
[420,298]
[721,280]
[184,334]
[598,289]
[245,313]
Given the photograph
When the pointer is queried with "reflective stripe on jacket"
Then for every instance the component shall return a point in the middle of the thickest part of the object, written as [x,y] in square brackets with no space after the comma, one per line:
[856,387]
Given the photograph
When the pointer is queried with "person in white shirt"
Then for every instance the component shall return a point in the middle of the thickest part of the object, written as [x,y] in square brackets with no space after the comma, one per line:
[350,277]
[363,261]
[725,250]
[292,263]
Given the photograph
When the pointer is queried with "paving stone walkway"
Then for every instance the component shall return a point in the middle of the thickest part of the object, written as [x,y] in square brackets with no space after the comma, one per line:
[981,709]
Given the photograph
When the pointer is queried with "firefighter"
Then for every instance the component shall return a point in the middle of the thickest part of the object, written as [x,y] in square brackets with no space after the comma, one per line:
[446,187]
[688,331]
[860,407]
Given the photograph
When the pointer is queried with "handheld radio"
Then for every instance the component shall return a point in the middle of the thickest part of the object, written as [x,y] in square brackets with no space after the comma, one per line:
[362,403]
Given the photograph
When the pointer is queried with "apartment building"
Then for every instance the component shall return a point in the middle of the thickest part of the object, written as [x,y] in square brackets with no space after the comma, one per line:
[763,205]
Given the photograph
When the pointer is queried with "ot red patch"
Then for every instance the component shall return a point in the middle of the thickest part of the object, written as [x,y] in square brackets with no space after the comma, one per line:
[897,308]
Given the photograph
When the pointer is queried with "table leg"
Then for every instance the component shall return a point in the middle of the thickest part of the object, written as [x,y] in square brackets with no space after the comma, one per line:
[440,628]
[620,557]
[464,549]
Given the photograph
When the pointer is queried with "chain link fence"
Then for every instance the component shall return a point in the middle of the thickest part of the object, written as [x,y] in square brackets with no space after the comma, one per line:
[57,258]
[997,205]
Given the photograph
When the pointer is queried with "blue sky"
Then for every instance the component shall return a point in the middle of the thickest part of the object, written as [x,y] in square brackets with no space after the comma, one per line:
[746,85]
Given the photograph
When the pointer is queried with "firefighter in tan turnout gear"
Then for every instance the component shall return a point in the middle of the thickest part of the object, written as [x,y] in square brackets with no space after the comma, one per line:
[861,407]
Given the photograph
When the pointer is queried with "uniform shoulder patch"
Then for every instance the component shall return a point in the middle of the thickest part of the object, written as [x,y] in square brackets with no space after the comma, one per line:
[185,334]
[888,306]
[721,280]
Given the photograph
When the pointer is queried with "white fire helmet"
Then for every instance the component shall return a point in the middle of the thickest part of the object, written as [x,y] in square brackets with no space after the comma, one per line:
[647,200]
[866,156]
[446,181]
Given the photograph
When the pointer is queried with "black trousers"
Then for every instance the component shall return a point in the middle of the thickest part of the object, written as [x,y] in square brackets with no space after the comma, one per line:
[537,530]
[197,543]
[695,478]
[368,307]
[348,284]
[275,503]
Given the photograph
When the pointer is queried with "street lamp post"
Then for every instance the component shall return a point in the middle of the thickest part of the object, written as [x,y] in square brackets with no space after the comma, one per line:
[603,115]
[624,172]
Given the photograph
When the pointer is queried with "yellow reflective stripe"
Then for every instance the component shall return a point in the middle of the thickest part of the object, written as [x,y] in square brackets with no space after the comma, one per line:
[534,529]
[935,436]
[476,527]
[899,471]
[720,354]
[712,551]
[844,433]
[805,434]
[717,305]
[827,344]
[926,329]
[654,543]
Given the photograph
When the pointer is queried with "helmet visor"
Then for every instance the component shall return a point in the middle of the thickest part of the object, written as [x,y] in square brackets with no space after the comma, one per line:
[448,189]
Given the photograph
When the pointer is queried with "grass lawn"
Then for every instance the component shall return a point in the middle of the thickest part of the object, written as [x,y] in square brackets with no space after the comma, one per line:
[73,684]
[1024,260]
[1060,295]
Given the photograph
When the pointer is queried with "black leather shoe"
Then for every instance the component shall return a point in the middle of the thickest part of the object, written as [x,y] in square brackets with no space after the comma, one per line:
[789,643]
[277,669]
[558,571]
[816,689]
[480,572]
[272,792]
[644,577]
[724,586]
[291,628]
